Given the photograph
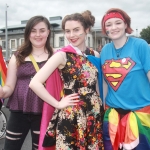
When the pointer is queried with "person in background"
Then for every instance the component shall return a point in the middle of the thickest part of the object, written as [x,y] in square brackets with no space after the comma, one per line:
[76,122]
[126,72]
[99,48]
[25,106]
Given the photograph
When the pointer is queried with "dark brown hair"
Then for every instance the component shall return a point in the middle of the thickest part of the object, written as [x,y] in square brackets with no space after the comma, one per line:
[124,15]
[86,19]
[26,48]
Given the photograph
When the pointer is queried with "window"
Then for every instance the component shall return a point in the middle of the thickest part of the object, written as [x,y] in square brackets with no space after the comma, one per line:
[61,41]
[21,41]
[12,44]
[88,41]
[3,45]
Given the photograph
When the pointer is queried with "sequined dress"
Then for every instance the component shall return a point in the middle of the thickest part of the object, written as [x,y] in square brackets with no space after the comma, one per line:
[77,127]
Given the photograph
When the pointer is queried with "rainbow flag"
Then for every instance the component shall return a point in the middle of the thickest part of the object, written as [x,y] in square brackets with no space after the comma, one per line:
[132,131]
[3,69]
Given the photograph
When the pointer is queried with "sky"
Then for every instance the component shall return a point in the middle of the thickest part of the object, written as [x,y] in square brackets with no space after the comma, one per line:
[138,10]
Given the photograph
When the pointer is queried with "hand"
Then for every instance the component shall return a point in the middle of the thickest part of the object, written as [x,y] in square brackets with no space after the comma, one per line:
[68,100]
[1,92]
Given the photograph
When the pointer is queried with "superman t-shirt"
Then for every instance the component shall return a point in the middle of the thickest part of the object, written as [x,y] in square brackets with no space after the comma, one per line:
[126,75]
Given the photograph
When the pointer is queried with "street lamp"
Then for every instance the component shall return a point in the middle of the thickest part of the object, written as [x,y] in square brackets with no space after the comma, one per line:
[6,36]
[136,32]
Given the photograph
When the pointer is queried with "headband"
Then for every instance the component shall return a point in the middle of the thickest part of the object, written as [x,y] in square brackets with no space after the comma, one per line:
[113,15]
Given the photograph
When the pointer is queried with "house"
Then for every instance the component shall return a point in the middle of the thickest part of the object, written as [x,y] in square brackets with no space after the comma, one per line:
[16,36]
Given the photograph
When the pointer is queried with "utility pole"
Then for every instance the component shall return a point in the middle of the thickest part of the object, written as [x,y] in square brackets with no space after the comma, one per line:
[136,32]
[6,34]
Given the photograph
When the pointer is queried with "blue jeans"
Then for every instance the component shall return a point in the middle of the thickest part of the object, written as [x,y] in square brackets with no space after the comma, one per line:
[18,127]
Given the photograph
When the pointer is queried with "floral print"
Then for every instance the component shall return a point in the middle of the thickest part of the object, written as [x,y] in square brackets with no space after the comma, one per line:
[78,127]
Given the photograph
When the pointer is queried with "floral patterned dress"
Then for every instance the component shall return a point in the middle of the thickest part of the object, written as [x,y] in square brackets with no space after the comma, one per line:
[78,127]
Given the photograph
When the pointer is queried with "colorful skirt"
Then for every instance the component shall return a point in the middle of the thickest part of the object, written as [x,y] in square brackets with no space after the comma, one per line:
[77,127]
[128,131]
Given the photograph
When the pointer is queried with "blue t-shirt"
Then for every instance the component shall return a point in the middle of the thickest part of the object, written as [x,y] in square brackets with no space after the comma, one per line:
[126,75]
[128,85]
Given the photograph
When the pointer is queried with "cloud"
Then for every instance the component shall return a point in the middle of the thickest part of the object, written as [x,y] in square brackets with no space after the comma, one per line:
[19,10]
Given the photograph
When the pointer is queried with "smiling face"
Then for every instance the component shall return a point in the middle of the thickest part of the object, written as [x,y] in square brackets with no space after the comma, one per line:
[75,33]
[115,28]
[38,35]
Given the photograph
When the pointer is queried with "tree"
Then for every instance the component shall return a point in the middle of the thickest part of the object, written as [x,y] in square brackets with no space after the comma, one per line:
[145,34]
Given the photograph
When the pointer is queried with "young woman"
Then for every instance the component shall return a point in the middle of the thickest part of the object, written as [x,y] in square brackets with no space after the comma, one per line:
[24,104]
[76,122]
[126,71]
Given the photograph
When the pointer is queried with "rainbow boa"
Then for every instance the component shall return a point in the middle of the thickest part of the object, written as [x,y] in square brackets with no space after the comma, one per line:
[131,131]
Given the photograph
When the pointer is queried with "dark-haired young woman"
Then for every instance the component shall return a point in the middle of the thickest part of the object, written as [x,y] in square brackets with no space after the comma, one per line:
[24,104]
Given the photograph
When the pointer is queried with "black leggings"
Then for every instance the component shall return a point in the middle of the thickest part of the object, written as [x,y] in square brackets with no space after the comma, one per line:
[18,127]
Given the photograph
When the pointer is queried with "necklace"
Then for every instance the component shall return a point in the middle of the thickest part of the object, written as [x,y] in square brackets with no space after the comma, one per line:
[118,52]
[38,55]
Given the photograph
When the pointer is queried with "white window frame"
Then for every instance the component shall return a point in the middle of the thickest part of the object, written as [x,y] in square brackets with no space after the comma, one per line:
[2,45]
[11,45]
[89,41]
[20,41]
[56,40]
[61,44]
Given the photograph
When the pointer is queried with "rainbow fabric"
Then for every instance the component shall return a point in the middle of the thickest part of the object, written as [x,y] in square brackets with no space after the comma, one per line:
[3,69]
[131,131]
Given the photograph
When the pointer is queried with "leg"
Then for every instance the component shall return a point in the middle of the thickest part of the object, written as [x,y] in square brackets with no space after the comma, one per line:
[17,129]
[35,130]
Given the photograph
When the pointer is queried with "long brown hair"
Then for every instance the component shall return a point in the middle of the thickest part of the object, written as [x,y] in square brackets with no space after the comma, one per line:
[26,48]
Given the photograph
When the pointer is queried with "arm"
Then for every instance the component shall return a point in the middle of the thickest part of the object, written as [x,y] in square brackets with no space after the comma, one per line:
[148,75]
[105,90]
[97,87]
[11,79]
[96,54]
[42,75]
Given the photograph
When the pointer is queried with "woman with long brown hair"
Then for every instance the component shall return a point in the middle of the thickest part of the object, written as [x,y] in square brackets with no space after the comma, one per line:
[25,106]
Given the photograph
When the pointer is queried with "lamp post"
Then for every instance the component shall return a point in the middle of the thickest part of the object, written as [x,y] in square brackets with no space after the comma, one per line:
[6,36]
[136,32]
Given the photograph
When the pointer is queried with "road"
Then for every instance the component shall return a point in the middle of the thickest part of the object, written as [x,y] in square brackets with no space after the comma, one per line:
[27,144]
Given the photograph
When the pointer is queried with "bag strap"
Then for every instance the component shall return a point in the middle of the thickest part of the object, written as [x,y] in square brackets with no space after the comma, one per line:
[34,63]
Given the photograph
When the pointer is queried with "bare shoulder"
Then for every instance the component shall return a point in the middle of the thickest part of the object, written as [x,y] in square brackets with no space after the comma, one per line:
[12,60]
[96,54]
[60,53]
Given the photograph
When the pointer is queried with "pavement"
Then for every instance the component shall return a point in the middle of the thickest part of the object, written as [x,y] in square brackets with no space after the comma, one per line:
[27,143]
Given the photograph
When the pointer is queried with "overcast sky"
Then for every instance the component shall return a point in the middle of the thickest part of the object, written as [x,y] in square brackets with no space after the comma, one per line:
[138,10]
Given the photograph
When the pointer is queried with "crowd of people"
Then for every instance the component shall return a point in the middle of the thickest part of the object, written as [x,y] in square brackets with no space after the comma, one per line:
[76,98]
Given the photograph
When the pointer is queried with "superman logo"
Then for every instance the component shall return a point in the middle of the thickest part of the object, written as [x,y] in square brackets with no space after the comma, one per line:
[115,71]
